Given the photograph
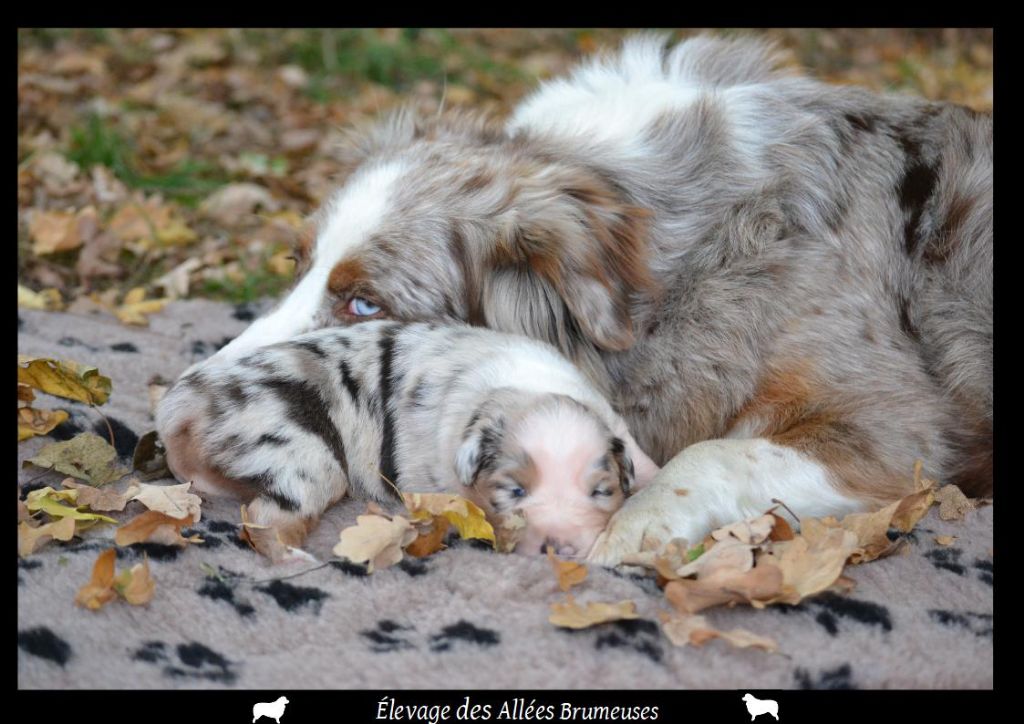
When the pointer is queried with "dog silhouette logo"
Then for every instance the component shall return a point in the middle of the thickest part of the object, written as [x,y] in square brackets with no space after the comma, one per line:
[273,710]
[757,707]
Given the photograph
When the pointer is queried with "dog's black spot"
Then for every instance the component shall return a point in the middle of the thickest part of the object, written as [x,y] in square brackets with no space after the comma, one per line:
[44,643]
[67,430]
[986,570]
[864,612]
[383,639]
[28,564]
[151,651]
[388,464]
[489,447]
[350,382]
[980,624]
[292,598]
[268,438]
[463,631]
[311,347]
[838,678]
[413,566]
[220,591]
[638,634]
[915,189]
[864,122]
[156,551]
[125,438]
[947,559]
[124,347]
[244,312]
[221,526]
[350,568]
[199,347]
[235,392]
[203,663]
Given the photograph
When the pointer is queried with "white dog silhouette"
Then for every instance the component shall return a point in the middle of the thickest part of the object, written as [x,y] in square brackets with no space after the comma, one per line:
[274,710]
[757,707]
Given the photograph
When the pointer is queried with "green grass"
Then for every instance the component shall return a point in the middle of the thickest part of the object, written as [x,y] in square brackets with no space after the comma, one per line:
[255,285]
[97,142]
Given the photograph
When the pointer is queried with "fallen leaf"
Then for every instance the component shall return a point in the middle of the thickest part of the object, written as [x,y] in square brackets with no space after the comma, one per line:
[48,300]
[135,585]
[149,459]
[172,500]
[511,527]
[25,395]
[64,379]
[238,203]
[150,223]
[912,508]
[781,530]
[99,591]
[809,566]
[945,540]
[53,232]
[953,504]
[375,540]
[761,583]
[32,422]
[135,307]
[85,456]
[49,500]
[569,614]
[753,531]
[469,520]
[101,498]
[729,554]
[683,629]
[570,573]
[31,538]
[154,527]
[430,538]
[267,541]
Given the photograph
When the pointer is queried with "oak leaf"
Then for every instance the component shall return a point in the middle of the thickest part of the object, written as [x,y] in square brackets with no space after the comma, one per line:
[31,538]
[376,541]
[469,520]
[172,500]
[32,422]
[570,573]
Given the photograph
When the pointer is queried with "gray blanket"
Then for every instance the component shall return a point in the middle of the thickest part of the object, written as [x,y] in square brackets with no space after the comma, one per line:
[466,617]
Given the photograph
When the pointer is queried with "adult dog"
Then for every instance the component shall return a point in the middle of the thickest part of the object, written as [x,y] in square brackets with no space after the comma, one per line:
[789,281]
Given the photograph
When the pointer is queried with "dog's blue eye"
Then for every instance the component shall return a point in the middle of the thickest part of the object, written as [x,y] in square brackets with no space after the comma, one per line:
[359,307]
[517,492]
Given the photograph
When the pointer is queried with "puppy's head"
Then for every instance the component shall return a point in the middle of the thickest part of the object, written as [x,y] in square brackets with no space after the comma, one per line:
[555,461]
[454,220]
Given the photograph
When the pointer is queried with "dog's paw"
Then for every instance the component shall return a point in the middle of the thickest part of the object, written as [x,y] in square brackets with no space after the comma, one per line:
[650,518]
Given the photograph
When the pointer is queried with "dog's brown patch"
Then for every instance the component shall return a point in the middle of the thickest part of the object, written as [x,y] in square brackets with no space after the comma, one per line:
[345,276]
[792,407]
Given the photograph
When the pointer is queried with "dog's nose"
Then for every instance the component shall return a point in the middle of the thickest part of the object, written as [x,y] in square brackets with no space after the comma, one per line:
[561,549]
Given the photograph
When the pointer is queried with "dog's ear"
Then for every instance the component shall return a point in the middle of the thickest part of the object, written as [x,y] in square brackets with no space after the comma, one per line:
[480,445]
[573,235]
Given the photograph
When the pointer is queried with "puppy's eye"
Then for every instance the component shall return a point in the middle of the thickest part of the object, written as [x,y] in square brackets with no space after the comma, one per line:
[601,492]
[517,491]
[359,307]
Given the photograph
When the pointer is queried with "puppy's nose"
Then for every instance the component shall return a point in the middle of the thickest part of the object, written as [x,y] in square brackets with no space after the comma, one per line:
[561,549]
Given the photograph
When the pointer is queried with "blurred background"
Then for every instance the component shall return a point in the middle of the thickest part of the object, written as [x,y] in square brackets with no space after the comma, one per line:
[160,164]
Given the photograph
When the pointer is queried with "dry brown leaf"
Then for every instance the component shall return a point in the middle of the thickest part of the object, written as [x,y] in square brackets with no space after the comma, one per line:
[912,508]
[509,530]
[266,540]
[136,585]
[945,540]
[238,203]
[64,378]
[172,500]
[23,513]
[99,591]
[781,530]
[569,614]
[570,573]
[763,582]
[953,504]
[753,531]
[726,555]
[104,499]
[809,566]
[430,538]
[154,527]
[53,232]
[31,538]
[376,541]
[696,630]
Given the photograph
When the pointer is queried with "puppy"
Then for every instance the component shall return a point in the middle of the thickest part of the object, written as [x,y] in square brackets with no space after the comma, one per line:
[504,420]
[788,281]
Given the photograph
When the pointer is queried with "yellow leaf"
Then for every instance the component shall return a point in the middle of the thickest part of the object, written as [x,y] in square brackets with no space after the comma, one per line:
[136,585]
[99,590]
[570,614]
[48,299]
[570,573]
[469,520]
[30,538]
[135,307]
[64,378]
[375,541]
[32,422]
[48,500]
[945,540]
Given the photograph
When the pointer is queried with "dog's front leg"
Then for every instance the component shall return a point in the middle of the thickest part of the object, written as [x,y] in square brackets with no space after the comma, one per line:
[714,483]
